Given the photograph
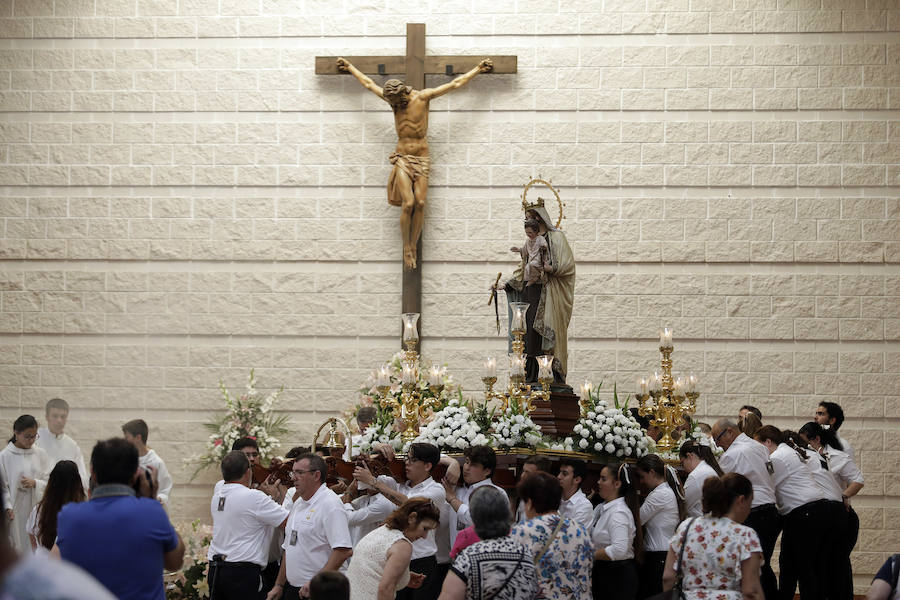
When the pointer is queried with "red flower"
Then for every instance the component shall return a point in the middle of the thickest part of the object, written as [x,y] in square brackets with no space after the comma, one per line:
[252,437]
[218,442]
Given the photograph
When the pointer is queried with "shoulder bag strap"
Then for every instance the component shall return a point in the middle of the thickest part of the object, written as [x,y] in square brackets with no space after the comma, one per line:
[540,555]
[895,574]
[683,544]
[509,578]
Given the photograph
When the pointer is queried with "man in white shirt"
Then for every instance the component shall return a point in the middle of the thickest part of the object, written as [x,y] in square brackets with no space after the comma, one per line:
[751,459]
[421,458]
[244,520]
[57,444]
[136,432]
[316,537]
[478,469]
[574,505]
[365,417]
[830,415]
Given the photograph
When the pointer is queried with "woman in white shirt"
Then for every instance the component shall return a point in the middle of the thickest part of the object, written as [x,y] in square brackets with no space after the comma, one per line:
[663,509]
[24,469]
[849,479]
[617,540]
[802,504]
[700,464]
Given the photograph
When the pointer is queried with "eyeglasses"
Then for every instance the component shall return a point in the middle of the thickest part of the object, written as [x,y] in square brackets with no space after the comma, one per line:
[410,461]
[28,436]
[719,437]
[298,472]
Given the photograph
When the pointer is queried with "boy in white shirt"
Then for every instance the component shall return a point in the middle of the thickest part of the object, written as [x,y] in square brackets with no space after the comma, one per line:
[136,432]
[56,443]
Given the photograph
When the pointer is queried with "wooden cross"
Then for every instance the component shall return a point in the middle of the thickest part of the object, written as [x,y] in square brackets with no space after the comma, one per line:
[413,68]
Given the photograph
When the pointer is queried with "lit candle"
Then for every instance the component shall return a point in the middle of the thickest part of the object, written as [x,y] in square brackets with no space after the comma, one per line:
[665,338]
[519,311]
[434,376]
[490,367]
[656,382]
[691,383]
[545,367]
[586,388]
[384,377]
[644,385]
[409,373]
[410,333]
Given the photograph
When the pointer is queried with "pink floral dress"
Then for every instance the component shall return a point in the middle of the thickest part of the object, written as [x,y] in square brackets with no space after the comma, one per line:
[716,546]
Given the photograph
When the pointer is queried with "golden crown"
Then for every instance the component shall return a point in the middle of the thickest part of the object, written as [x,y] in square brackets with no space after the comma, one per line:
[539,203]
[528,205]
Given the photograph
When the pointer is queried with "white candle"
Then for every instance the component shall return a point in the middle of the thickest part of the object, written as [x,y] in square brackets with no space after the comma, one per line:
[410,333]
[656,382]
[691,383]
[384,378]
[409,373]
[644,385]
[586,388]
[490,367]
[545,367]
[434,376]
[665,338]
[519,312]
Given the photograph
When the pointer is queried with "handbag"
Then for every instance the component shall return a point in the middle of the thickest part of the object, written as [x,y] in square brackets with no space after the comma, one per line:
[675,592]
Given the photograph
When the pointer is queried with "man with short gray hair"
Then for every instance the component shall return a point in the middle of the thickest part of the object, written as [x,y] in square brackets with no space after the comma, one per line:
[751,459]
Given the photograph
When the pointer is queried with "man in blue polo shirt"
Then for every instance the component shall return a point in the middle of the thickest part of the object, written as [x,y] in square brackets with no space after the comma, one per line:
[121,537]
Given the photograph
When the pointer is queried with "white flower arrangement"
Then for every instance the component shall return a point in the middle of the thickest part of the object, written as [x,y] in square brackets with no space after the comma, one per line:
[609,431]
[515,428]
[248,415]
[453,429]
[380,432]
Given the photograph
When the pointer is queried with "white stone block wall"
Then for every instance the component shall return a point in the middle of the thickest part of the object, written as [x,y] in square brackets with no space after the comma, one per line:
[183,199]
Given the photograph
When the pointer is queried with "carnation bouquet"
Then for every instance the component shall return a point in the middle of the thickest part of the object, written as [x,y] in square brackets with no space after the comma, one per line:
[248,415]
[190,582]
[453,429]
[608,430]
[515,428]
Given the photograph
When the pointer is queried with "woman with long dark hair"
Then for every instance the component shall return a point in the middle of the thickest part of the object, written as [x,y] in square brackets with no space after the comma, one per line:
[700,464]
[618,541]
[63,486]
[663,509]
[24,468]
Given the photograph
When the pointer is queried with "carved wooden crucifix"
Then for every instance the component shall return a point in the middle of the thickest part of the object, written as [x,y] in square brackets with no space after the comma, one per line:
[408,181]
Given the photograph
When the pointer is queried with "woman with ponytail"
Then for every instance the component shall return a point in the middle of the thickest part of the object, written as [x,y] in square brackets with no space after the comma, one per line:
[663,509]
[729,568]
[617,539]
[24,468]
[803,508]
[849,479]
[700,464]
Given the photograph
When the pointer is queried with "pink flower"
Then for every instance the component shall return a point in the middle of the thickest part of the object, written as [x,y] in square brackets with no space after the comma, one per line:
[252,437]
[218,442]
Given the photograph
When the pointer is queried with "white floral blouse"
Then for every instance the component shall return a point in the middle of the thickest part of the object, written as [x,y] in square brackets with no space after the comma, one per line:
[716,547]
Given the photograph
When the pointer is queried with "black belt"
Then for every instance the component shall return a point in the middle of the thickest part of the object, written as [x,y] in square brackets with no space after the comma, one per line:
[763,507]
[221,563]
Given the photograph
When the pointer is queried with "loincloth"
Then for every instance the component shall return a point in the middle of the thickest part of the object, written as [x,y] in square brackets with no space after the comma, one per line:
[415,167]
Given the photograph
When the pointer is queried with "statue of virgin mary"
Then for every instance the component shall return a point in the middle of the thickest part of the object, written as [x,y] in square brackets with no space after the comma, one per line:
[549,302]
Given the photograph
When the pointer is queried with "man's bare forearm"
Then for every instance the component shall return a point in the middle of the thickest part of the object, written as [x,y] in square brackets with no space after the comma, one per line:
[389,493]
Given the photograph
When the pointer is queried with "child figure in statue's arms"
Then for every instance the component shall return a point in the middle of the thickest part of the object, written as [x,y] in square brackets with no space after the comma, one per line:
[534,252]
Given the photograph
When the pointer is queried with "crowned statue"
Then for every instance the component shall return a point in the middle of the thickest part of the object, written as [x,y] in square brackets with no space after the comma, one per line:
[545,279]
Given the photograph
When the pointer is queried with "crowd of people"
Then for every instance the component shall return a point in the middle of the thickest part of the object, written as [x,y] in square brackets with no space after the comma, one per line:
[635,532]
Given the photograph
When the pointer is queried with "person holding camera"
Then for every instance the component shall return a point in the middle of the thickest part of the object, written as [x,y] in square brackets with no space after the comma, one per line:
[122,535]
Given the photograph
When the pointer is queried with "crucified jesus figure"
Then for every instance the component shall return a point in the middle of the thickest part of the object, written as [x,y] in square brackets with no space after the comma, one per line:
[408,182]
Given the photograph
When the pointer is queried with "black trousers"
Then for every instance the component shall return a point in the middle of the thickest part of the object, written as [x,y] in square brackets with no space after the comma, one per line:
[234,581]
[269,575]
[766,522]
[803,558]
[615,579]
[650,573]
[837,586]
[431,587]
[289,592]
[846,545]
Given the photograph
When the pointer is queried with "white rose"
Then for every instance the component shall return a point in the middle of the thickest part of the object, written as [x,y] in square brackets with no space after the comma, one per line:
[598,447]
[610,448]
[619,452]
[583,444]
[627,451]
[608,437]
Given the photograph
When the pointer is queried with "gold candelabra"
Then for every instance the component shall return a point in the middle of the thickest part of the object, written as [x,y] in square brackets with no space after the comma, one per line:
[411,407]
[518,392]
[669,401]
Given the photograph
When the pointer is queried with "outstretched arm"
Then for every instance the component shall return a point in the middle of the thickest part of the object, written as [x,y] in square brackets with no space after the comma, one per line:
[484,66]
[344,66]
